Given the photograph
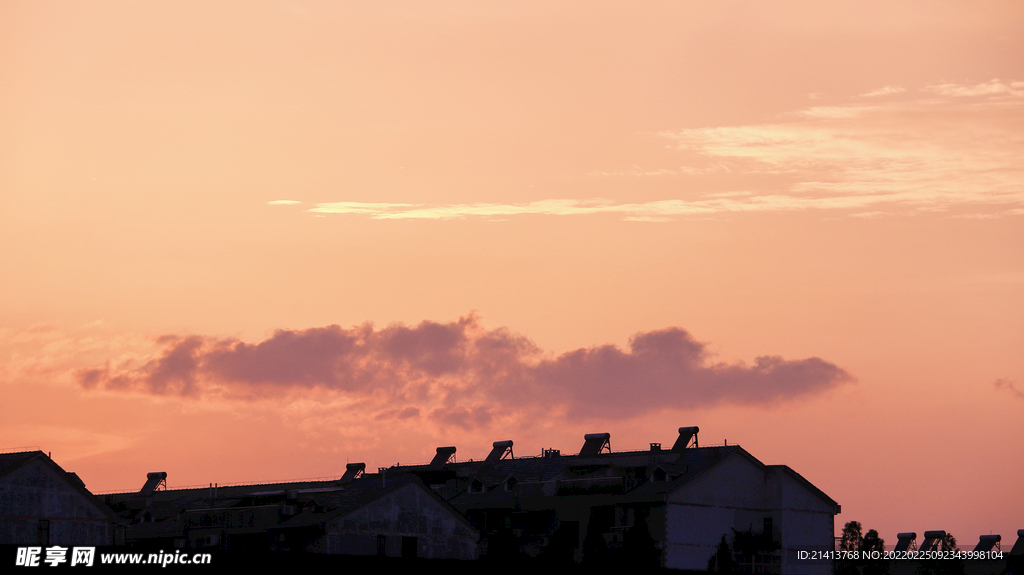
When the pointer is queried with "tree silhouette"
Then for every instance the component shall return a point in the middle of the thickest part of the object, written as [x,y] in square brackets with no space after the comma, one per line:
[864,546]
[638,547]
[851,541]
[722,561]
[595,548]
[852,538]
[753,551]
[872,551]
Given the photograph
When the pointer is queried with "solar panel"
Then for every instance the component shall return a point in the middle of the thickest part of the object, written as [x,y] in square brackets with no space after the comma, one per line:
[987,542]
[154,480]
[685,435]
[905,540]
[500,448]
[444,454]
[932,540]
[595,443]
[352,471]
[1018,547]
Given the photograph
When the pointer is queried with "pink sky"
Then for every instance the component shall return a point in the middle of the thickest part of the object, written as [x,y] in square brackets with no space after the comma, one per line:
[250,241]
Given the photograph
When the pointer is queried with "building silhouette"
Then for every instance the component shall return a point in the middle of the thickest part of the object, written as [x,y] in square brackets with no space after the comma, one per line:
[670,507]
[42,505]
[687,507]
[657,507]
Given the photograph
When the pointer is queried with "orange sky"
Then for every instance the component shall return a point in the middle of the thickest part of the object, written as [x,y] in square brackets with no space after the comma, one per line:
[798,226]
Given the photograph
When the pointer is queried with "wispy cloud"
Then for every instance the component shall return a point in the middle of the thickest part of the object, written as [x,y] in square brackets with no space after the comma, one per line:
[960,149]
[922,155]
[1003,383]
[884,91]
[638,171]
[458,373]
[447,211]
[993,87]
[647,211]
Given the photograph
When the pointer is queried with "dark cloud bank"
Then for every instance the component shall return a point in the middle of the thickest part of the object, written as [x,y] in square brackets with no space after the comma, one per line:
[459,373]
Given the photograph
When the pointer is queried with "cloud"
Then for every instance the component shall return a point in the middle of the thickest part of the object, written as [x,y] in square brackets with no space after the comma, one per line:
[463,417]
[836,112]
[884,91]
[75,443]
[870,215]
[646,219]
[1003,383]
[461,374]
[993,87]
[384,211]
[174,372]
[406,413]
[638,171]
[959,149]
[924,155]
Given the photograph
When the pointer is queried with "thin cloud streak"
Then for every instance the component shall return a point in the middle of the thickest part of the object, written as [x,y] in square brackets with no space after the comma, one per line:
[647,211]
[993,87]
[884,91]
[962,149]
[458,373]
[922,155]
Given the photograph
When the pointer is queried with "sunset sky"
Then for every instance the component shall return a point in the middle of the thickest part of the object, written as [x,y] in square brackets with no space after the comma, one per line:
[248,241]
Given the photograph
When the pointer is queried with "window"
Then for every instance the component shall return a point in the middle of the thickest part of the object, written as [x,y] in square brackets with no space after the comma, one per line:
[44,532]
[409,547]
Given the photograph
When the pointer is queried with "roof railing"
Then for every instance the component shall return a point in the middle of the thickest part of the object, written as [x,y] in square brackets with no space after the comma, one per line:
[23,449]
[239,484]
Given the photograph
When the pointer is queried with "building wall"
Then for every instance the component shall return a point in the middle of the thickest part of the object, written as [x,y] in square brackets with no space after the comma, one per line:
[728,495]
[409,512]
[36,492]
[231,528]
[804,520]
[740,494]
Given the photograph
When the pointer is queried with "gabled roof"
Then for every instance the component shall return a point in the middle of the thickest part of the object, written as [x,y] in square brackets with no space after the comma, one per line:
[11,462]
[807,484]
[361,493]
[569,470]
[690,464]
[357,495]
[321,501]
[572,471]
[202,496]
[492,476]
